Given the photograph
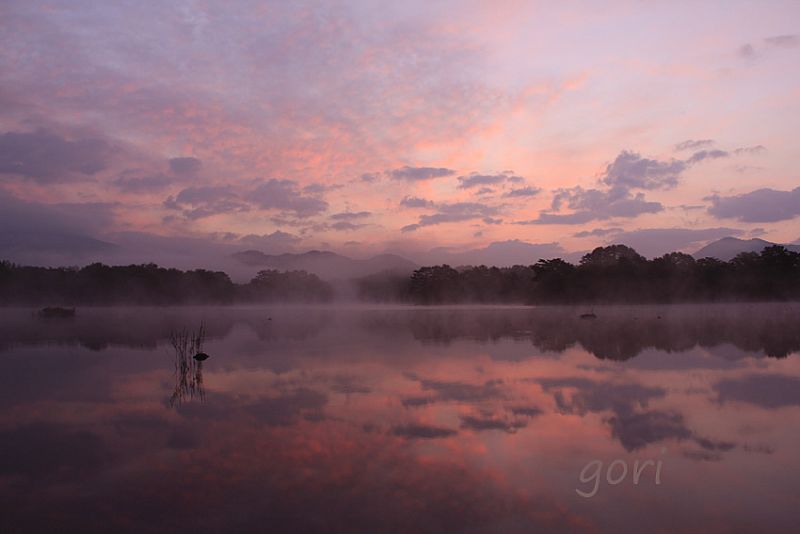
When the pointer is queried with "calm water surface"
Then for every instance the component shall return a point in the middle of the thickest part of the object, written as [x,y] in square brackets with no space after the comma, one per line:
[404,419]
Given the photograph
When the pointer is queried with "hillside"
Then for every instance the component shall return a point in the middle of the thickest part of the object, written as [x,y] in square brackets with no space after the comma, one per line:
[728,248]
[327,265]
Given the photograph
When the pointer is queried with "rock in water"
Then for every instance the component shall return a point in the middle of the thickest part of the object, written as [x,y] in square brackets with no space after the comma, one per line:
[201,356]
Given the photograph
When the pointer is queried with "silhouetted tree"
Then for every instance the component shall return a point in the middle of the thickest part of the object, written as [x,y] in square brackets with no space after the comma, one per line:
[612,274]
[272,285]
[149,284]
[552,280]
[434,285]
[616,273]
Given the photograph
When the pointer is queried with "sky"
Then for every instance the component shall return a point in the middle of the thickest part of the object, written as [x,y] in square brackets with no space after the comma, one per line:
[365,127]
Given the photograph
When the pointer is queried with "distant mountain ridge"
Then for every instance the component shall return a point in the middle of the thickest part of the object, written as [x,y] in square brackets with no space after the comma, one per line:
[727,248]
[28,246]
[325,264]
[500,254]
[330,265]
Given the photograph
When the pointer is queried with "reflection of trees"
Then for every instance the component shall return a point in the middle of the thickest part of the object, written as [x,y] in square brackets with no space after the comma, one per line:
[293,324]
[617,334]
[100,329]
[188,370]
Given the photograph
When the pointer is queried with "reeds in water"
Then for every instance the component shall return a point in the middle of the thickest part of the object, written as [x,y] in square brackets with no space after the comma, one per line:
[188,370]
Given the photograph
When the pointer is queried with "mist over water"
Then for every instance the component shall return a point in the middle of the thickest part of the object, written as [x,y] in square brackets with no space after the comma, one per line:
[366,418]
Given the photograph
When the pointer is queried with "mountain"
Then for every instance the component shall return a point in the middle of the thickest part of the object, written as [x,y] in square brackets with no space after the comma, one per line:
[500,254]
[728,248]
[46,248]
[327,265]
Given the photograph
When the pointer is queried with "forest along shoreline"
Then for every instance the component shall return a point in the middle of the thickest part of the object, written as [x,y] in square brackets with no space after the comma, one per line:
[608,275]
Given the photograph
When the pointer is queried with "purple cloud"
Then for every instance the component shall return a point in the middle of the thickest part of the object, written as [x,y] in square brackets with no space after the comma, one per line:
[631,171]
[456,212]
[185,165]
[350,215]
[523,192]
[598,232]
[346,226]
[747,50]
[49,158]
[416,202]
[692,144]
[702,155]
[475,179]
[277,240]
[370,177]
[761,205]
[199,202]
[783,41]
[579,217]
[595,204]
[416,174]
[284,195]
[757,149]
[137,181]
[318,188]
[628,172]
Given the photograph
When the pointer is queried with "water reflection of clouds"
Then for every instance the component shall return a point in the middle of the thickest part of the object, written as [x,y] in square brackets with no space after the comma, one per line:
[763,390]
[352,429]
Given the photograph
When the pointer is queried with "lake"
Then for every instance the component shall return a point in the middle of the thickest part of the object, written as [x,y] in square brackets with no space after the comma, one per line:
[379,419]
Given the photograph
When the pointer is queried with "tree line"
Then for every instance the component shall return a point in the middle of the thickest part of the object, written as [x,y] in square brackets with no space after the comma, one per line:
[149,284]
[612,274]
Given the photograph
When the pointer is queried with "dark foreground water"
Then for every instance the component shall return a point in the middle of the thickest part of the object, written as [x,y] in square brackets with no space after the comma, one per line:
[408,420]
